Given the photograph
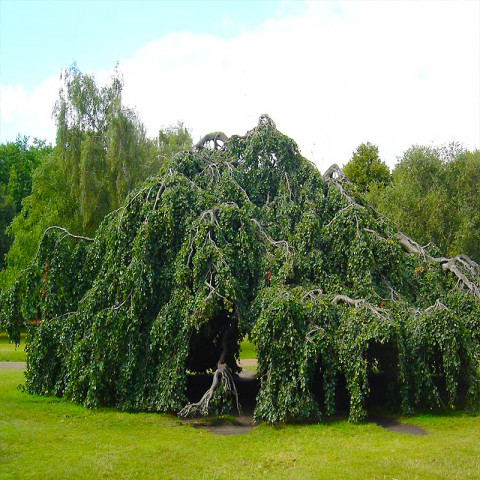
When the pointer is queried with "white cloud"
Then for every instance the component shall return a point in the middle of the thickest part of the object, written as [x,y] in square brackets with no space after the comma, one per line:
[336,75]
[28,113]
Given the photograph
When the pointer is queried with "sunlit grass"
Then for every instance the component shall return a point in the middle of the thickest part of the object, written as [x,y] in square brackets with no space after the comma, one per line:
[247,349]
[47,438]
[9,352]
[247,352]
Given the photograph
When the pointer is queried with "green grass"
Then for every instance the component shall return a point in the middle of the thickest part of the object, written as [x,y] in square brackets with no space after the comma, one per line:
[9,352]
[47,438]
[247,349]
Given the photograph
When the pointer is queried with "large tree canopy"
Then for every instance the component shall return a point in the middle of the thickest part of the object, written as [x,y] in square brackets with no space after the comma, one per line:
[243,237]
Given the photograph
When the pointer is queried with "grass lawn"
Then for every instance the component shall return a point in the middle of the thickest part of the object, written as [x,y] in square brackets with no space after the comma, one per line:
[247,352]
[247,349]
[47,438]
[9,352]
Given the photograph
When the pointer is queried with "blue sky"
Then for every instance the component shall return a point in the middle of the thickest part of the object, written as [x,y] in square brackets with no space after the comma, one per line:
[39,38]
[332,74]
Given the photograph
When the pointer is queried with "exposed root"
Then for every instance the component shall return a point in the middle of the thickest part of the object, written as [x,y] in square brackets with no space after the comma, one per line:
[222,376]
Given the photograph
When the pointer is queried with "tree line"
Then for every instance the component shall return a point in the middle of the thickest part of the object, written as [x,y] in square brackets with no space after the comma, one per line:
[432,195]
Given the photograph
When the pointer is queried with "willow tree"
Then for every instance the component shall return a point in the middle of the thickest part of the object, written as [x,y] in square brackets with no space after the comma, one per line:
[245,236]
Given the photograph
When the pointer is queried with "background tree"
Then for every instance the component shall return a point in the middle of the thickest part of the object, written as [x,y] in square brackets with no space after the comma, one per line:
[434,196]
[248,238]
[49,203]
[102,145]
[173,139]
[101,154]
[18,161]
[366,169]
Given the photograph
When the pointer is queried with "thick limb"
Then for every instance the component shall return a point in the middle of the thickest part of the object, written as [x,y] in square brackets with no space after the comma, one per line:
[333,172]
[214,137]
[463,267]
[380,313]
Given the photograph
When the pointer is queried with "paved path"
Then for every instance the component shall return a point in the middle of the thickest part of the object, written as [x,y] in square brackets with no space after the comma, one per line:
[12,365]
[248,362]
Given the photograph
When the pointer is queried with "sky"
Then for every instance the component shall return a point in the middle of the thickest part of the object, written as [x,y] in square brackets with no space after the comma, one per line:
[331,74]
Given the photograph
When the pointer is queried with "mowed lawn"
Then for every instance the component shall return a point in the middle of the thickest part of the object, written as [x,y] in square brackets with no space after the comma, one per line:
[9,352]
[47,438]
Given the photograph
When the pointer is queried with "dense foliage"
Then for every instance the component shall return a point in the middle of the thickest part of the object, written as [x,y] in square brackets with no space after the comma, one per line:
[18,161]
[249,238]
[365,168]
[434,196]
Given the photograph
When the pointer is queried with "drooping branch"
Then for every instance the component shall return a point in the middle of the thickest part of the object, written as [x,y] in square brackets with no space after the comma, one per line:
[340,212]
[349,301]
[456,264]
[409,245]
[159,193]
[335,175]
[212,213]
[288,185]
[359,303]
[312,293]
[266,121]
[438,305]
[67,233]
[275,243]
[461,266]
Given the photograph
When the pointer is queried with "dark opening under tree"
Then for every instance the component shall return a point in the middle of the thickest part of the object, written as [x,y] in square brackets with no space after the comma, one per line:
[237,236]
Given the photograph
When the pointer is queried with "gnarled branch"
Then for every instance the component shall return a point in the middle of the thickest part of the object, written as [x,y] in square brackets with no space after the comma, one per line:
[207,140]
[333,172]
[461,266]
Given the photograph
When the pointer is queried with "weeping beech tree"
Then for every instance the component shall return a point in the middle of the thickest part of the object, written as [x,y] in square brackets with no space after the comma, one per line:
[244,236]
